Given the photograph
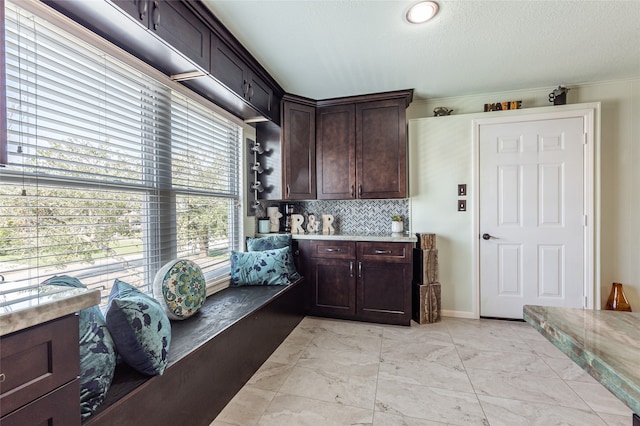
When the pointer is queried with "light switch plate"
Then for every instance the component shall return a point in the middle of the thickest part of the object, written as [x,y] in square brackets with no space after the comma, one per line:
[462,205]
[462,189]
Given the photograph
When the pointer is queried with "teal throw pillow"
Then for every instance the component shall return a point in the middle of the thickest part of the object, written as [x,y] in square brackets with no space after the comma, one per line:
[140,328]
[273,242]
[270,242]
[97,352]
[180,288]
[268,267]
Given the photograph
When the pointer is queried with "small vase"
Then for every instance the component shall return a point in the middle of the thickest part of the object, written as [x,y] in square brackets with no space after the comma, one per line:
[396,227]
[617,300]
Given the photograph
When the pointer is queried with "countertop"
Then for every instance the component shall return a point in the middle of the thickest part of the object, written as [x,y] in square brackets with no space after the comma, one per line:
[604,343]
[395,238]
[29,307]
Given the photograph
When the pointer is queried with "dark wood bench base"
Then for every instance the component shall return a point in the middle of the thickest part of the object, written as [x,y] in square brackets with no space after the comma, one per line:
[212,355]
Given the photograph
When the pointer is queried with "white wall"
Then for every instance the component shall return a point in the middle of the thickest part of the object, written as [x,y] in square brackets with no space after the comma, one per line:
[440,153]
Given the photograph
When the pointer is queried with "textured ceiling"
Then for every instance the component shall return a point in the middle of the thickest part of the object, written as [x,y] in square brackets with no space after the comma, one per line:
[324,49]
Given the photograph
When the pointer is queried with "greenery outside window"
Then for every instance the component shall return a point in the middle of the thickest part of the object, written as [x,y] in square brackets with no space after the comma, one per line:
[110,172]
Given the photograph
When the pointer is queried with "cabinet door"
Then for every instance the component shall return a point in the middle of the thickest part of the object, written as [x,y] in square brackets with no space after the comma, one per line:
[336,152]
[299,151]
[334,287]
[227,67]
[259,94]
[176,24]
[384,292]
[381,149]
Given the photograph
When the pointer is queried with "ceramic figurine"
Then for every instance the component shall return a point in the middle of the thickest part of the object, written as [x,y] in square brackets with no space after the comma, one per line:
[274,218]
[440,111]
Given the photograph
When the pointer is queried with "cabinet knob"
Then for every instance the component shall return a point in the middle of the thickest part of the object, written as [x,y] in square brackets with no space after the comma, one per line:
[2,377]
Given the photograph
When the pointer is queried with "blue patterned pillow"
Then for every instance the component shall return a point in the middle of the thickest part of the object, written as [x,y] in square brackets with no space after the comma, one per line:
[273,242]
[180,288]
[139,327]
[97,352]
[268,267]
[270,242]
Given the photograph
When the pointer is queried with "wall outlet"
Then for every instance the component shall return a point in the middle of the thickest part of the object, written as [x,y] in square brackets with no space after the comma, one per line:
[462,189]
[462,205]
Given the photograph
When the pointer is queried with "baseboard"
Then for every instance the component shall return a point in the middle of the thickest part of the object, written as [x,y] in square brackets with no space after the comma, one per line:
[458,314]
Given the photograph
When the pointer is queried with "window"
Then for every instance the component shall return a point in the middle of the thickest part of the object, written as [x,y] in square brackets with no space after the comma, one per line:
[110,172]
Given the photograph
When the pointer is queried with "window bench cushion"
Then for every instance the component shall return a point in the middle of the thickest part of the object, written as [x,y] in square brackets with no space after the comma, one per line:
[213,354]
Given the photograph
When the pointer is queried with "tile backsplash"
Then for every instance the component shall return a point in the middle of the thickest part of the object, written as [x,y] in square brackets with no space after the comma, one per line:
[354,216]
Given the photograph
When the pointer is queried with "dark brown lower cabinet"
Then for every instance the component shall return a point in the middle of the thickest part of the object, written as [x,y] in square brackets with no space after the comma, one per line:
[367,281]
[39,375]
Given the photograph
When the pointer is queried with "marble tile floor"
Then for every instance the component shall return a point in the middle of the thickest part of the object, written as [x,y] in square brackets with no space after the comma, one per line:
[455,372]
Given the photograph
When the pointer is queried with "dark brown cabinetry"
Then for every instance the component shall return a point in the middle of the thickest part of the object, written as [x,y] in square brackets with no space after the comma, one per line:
[368,281]
[336,152]
[361,146]
[299,149]
[181,36]
[174,23]
[39,375]
[234,73]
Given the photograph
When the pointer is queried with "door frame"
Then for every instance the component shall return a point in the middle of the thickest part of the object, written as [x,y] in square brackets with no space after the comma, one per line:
[590,112]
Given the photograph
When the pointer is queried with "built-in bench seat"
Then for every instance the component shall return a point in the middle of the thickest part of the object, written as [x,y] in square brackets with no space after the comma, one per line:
[212,355]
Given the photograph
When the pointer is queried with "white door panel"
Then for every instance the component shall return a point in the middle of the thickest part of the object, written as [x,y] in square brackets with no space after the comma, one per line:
[532,205]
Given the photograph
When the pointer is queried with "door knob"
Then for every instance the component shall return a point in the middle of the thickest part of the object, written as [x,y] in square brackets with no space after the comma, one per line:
[488,237]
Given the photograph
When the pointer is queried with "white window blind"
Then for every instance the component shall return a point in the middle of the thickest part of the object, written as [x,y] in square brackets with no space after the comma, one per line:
[110,172]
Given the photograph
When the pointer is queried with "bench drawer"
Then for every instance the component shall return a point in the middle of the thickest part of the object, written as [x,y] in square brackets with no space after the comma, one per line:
[328,249]
[37,360]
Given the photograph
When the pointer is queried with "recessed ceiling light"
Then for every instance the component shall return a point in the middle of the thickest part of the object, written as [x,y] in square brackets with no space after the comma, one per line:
[422,12]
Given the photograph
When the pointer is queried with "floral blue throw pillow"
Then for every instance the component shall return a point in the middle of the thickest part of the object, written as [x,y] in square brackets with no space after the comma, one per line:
[270,242]
[273,242]
[140,328]
[268,267]
[97,352]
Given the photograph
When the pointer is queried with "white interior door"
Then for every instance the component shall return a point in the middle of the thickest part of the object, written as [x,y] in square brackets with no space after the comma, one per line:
[531,215]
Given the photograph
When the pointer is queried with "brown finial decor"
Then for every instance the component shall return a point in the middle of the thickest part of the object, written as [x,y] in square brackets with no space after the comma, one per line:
[617,300]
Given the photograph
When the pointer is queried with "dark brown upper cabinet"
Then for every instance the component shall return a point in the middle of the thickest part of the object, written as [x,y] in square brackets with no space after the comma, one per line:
[299,148]
[234,73]
[336,152]
[361,146]
[174,23]
[183,36]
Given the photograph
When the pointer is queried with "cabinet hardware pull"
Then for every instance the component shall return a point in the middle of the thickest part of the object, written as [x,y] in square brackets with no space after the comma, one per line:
[250,92]
[331,250]
[378,251]
[359,269]
[288,190]
[352,191]
[245,88]
[142,9]
[350,269]
[156,15]
[360,190]
[2,377]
